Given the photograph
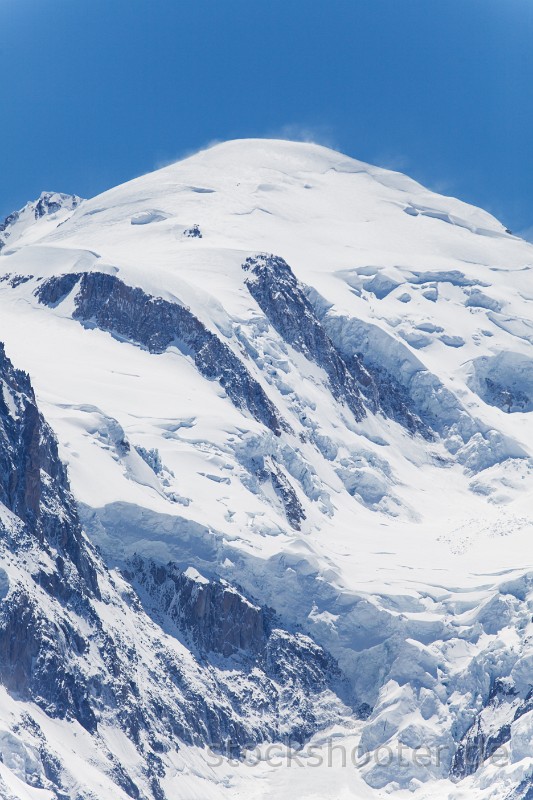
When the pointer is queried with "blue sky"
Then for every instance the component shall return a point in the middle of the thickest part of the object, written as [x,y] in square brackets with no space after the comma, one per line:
[95,92]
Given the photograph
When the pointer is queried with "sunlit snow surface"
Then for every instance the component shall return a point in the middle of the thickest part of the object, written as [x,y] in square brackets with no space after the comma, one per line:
[406,541]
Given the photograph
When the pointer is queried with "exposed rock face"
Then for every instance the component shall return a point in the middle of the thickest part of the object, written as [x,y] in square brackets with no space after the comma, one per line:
[199,677]
[215,619]
[105,301]
[48,204]
[491,729]
[394,400]
[42,529]
[360,381]
[274,287]
[51,202]
[54,290]
[285,491]
[215,616]
[41,658]
[193,233]
[522,792]
[5,227]
[34,484]
[9,220]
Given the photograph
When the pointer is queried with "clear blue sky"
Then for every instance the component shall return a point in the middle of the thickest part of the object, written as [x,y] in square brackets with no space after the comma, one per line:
[95,92]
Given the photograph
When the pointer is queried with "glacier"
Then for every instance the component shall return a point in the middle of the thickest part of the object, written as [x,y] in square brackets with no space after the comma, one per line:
[266,475]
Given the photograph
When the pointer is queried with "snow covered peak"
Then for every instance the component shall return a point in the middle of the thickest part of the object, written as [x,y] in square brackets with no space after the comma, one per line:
[311,378]
[52,207]
[276,154]
[293,199]
[234,163]
[52,202]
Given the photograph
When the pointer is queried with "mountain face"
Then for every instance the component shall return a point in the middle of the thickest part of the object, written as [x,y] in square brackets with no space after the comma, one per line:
[266,482]
[78,644]
[50,210]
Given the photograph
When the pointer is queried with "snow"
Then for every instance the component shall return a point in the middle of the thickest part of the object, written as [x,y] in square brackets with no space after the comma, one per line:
[403,537]
[9,400]
[37,219]
[194,575]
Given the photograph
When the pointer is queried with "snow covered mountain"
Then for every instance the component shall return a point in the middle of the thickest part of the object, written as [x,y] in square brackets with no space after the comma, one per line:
[293,394]
[49,211]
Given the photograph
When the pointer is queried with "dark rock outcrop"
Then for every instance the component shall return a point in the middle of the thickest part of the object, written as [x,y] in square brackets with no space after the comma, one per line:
[285,491]
[51,202]
[240,679]
[524,791]
[41,532]
[280,296]
[9,220]
[289,670]
[193,233]
[483,739]
[34,484]
[214,616]
[109,304]
[48,203]
[394,400]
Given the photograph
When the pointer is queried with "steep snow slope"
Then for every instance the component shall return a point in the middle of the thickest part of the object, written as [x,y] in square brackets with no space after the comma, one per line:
[311,377]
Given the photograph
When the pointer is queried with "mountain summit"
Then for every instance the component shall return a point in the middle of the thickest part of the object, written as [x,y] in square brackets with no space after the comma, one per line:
[51,207]
[293,395]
